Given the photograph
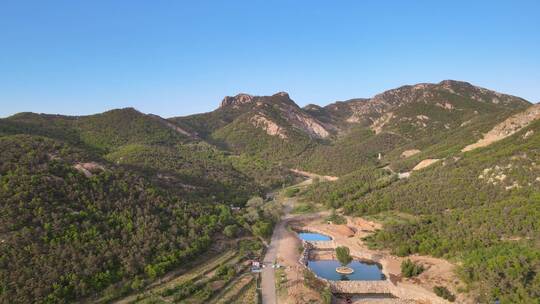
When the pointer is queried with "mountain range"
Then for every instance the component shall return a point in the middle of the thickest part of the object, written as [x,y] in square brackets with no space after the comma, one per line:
[91,203]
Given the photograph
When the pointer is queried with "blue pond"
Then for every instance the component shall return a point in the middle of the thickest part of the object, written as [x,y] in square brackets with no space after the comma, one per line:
[363,271]
[308,236]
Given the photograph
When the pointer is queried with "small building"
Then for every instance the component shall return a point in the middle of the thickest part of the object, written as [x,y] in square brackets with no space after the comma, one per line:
[255,266]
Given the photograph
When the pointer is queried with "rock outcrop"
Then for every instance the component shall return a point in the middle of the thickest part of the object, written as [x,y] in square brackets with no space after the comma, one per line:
[271,128]
[236,101]
[307,124]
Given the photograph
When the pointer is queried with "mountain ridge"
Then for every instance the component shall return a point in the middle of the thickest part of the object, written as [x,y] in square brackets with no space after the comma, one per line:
[331,116]
[410,117]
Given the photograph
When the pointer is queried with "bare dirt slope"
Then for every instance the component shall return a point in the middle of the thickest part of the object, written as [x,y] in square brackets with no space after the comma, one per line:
[425,163]
[508,127]
[311,176]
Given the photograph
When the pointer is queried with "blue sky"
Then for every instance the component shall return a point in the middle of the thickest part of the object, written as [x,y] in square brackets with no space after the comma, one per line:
[181,57]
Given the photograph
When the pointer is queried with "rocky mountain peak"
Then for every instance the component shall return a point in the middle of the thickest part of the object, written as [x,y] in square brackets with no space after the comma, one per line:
[455,83]
[313,107]
[282,94]
[237,100]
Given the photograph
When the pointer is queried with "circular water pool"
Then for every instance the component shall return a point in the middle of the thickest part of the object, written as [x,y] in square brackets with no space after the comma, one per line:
[363,271]
[309,236]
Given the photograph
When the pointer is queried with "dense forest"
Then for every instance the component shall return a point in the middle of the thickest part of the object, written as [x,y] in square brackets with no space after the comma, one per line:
[67,236]
[103,205]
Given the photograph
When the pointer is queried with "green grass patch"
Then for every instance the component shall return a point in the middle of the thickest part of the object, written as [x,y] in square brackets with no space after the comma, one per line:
[304,208]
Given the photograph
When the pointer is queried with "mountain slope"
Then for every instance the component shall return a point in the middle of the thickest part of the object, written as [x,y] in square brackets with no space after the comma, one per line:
[508,127]
[66,235]
[479,207]
[146,142]
[102,132]
[272,127]
[434,119]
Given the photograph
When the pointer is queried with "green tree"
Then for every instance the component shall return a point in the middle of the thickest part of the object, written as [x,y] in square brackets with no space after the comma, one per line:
[410,269]
[444,293]
[230,231]
[262,229]
[343,255]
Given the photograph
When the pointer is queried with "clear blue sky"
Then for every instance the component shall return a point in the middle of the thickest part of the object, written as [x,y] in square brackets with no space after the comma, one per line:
[181,57]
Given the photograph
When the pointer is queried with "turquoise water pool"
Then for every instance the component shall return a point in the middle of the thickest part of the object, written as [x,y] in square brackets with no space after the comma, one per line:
[308,236]
[363,271]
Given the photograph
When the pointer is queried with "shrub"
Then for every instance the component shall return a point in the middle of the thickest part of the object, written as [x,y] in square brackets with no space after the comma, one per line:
[410,269]
[311,281]
[246,246]
[230,231]
[303,208]
[326,296]
[444,293]
[336,218]
[225,271]
[290,192]
[402,250]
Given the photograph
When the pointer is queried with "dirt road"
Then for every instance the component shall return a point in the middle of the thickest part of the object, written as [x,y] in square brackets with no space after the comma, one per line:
[268,274]
[268,284]
[284,248]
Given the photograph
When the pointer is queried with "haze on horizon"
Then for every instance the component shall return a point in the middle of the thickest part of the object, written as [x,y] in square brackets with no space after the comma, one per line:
[176,58]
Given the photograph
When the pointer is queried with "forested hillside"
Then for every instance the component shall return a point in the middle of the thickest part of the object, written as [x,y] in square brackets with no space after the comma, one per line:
[66,235]
[481,208]
[105,204]
[435,120]
[102,132]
